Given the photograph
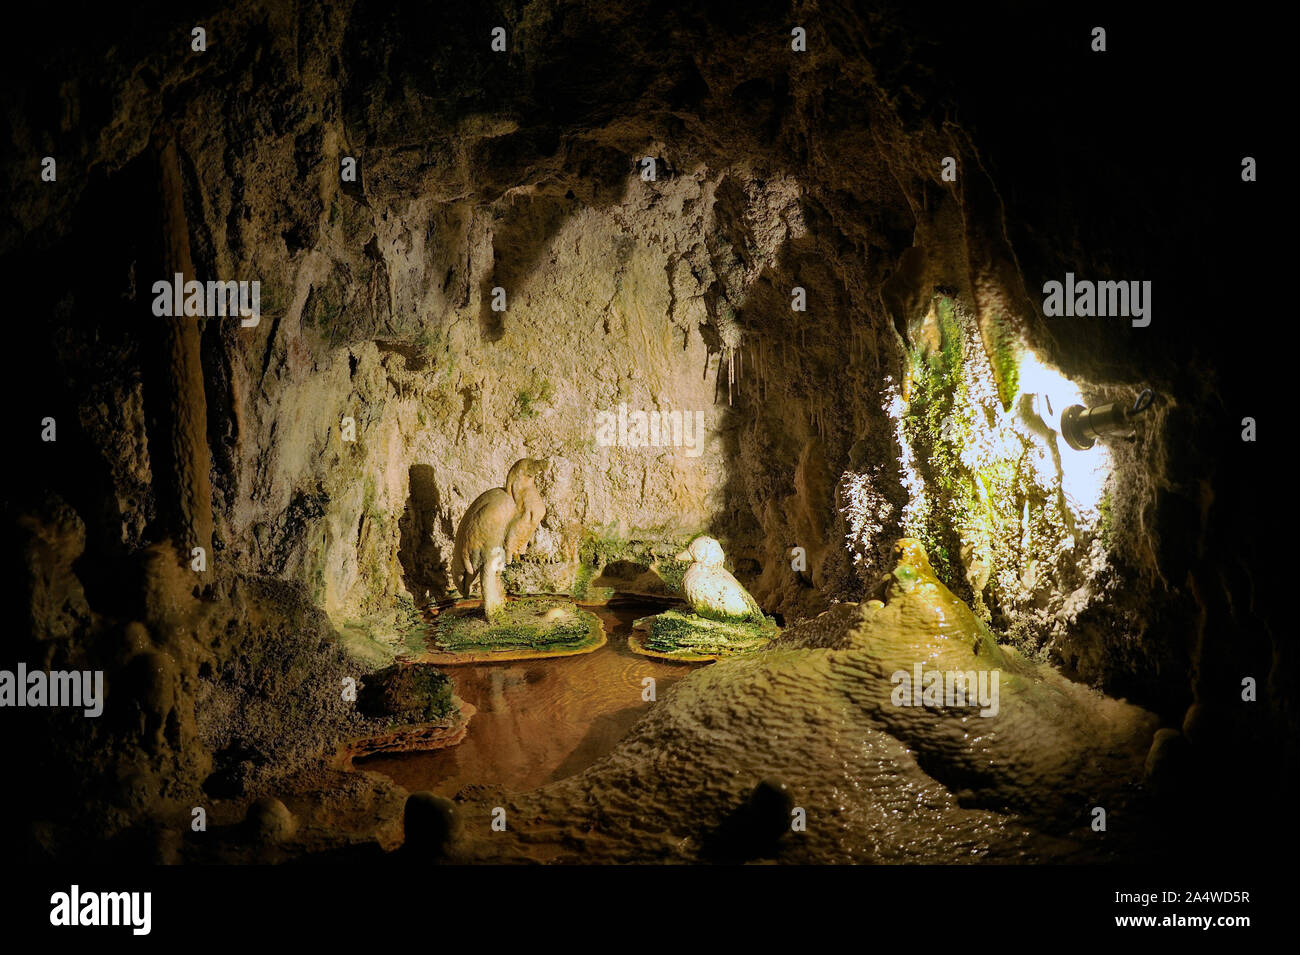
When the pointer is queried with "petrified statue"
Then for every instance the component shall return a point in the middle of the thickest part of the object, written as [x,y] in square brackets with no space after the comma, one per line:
[531,510]
[709,587]
[496,529]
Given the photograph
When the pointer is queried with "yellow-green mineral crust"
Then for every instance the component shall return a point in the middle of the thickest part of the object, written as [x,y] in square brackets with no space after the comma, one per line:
[879,782]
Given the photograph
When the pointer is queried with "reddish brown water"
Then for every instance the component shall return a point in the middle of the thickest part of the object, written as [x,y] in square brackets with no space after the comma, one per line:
[538,720]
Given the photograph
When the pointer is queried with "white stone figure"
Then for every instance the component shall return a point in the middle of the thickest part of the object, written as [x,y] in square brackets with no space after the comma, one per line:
[709,587]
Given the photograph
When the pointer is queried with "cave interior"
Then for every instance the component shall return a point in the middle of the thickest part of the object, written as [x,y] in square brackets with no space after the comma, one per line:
[770,274]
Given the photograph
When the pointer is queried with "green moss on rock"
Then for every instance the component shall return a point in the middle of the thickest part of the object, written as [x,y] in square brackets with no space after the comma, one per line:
[358,641]
[677,632]
[538,391]
[1106,524]
[407,693]
[599,549]
[523,626]
[1002,345]
[582,589]
[934,424]
[671,571]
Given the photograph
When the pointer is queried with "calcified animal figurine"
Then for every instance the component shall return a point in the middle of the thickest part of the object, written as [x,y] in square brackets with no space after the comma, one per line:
[496,529]
[530,509]
[709,587]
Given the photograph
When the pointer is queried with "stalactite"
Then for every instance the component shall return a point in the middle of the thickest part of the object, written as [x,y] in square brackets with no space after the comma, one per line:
[190,458]
[730,335]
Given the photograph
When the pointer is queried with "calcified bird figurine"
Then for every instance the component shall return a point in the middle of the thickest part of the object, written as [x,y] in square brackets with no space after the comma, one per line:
[496,529]
[709,587]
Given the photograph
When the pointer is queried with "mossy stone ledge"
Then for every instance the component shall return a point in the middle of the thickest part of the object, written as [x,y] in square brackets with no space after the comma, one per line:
[686,637]
[530,628]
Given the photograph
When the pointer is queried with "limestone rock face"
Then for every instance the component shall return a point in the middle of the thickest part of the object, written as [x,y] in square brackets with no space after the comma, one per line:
[382,388]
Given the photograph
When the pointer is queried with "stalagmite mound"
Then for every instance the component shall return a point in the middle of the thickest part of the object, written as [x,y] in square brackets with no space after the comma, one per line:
[923,783]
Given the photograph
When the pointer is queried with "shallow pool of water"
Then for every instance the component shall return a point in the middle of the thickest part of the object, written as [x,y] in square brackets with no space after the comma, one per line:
[538,720]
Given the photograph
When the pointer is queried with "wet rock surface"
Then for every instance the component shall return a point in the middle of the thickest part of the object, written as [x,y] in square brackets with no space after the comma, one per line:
[878,782]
